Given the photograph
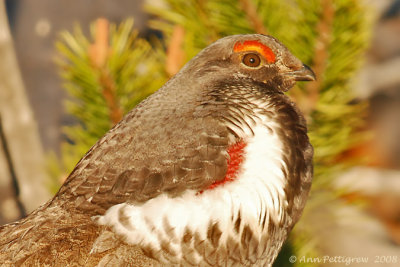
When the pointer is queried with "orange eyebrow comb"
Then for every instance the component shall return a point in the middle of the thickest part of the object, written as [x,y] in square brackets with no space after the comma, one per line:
[254,45]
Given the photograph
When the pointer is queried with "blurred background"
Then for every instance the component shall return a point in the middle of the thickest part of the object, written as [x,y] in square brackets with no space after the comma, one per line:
[33,116]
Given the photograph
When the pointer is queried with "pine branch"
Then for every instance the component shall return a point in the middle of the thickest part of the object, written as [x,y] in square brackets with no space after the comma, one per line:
[175,53]
[109,93]
[203,12]
[98,53]
[324,29]
[105,79]
[252,16]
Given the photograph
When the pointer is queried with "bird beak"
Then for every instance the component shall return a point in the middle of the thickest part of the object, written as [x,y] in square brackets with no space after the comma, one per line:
[305,73]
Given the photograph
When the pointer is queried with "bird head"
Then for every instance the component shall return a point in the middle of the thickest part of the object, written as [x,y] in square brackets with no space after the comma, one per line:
[260,58]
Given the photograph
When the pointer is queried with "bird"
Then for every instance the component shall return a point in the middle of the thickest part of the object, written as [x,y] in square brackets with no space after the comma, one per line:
[213,169]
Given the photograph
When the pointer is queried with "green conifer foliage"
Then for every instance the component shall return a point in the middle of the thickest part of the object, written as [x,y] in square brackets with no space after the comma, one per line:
[108,75]
[105,77]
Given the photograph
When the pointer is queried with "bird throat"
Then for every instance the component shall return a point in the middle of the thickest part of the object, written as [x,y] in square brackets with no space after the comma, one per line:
[236,158]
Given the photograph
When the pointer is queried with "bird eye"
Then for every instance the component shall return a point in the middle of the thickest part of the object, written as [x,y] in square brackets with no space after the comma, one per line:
[252,60]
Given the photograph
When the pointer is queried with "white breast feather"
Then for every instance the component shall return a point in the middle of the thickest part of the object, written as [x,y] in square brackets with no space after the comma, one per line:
[258,189]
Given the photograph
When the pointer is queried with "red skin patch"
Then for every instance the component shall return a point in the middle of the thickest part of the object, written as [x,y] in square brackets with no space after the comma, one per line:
[236,157]
[254,45]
